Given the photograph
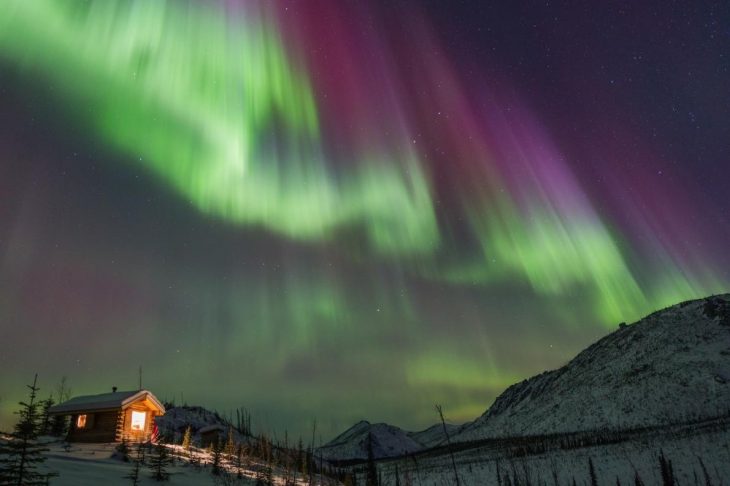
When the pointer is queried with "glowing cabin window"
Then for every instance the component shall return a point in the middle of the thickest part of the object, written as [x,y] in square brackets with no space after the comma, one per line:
[81,421]
[138,419]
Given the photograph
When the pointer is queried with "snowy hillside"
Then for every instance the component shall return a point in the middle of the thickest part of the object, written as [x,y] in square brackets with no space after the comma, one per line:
[658,390]
[96,464]
[672,366]
[172,425]
[697,456]
[434,435]
[352,444]
[93,464]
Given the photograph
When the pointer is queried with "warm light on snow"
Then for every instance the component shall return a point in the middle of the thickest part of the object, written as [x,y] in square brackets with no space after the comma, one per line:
[138,419]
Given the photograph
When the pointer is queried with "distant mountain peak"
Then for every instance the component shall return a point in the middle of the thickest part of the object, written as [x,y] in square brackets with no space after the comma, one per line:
[387,441]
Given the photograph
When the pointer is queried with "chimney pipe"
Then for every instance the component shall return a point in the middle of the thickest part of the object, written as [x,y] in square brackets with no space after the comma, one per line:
[114,389]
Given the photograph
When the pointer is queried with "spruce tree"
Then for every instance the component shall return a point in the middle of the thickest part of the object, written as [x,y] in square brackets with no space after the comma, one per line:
[269,474]
[142,453]
[46,419]
[287,459]
[371,479]
[269,458]
[133,475]
[239,461]
[299,454]
[230,448]
[59,425]
[21,457]
[187,439]
[302,458]
[5,473]
[159,462]
[216,457]
[123,449]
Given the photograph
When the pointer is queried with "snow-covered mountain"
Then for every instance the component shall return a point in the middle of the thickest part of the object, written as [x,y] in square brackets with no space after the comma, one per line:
[434,435]
[670,367]
[388,441]
[352,444]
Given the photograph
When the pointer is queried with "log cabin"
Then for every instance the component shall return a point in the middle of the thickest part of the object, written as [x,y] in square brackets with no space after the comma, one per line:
[111,417]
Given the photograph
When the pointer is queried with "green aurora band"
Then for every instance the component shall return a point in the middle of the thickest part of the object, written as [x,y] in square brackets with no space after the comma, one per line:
[214,104]
[196,100]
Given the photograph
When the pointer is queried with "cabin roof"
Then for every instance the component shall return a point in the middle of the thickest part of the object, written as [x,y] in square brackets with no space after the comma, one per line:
[105,401]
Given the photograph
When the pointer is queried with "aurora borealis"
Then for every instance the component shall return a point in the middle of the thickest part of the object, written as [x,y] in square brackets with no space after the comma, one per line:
[349,210]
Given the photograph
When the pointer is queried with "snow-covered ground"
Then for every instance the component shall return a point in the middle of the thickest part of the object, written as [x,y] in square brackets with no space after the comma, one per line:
[95,464]
[622,461]
[92,464]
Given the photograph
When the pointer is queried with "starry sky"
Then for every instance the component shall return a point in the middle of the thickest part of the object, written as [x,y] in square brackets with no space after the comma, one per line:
[350,210]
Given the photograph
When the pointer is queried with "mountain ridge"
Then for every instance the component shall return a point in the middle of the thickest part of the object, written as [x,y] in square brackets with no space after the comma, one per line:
[671,366]
[663,369]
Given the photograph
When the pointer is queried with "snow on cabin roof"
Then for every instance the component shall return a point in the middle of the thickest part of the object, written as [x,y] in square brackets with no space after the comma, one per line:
[104,401]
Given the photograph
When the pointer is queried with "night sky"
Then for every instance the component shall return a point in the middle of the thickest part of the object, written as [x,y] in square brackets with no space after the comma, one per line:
[349,210]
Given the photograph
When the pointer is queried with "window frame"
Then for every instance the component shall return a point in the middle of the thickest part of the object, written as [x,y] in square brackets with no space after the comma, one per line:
[132,420]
